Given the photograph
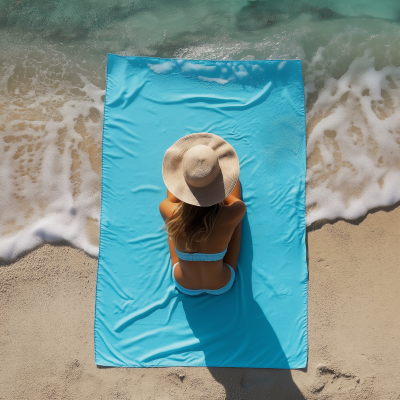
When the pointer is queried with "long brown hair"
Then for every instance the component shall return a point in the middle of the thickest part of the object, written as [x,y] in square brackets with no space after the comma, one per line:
[192,223]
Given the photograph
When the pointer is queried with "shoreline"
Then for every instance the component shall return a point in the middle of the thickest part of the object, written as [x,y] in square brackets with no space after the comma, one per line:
[47,301]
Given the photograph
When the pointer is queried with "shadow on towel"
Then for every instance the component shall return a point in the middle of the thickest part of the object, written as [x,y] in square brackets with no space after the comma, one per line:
[255,330]
[235,320]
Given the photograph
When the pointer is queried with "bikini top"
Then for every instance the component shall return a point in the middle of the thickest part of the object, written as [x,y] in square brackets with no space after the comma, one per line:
[201,256]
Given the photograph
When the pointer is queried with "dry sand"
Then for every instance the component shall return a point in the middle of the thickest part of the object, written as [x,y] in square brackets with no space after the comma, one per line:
[47,305]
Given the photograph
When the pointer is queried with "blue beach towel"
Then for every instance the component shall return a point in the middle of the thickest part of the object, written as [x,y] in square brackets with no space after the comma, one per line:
[141,319]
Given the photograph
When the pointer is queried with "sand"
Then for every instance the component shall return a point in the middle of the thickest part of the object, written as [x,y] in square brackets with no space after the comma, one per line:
[47,306]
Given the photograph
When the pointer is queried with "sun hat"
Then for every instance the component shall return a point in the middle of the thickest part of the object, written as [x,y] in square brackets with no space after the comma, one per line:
[201,169]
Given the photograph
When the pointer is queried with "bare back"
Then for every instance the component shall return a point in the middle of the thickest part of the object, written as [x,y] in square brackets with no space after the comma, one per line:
[225,234]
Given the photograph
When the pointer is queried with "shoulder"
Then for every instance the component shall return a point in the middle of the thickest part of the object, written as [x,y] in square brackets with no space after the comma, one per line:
[167,208]
[237,206]
[235,211]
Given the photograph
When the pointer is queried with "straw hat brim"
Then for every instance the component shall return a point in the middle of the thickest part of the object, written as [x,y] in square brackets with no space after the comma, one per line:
[220,188]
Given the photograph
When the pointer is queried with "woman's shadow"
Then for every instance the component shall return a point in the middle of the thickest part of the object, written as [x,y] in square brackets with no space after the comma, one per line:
[233,331]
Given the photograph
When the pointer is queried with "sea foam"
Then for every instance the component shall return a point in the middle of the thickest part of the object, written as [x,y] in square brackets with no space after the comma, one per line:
[353,145]
[50,154]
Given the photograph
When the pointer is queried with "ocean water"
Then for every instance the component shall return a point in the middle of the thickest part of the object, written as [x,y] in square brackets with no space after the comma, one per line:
[52,85]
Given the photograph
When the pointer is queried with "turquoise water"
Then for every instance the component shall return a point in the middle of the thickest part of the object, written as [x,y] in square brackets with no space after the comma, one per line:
[52,80]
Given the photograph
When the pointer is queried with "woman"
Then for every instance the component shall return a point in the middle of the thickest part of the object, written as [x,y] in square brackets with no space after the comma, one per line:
[202,213]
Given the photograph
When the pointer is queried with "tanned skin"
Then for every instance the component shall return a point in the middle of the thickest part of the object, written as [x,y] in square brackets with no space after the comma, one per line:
[227,231]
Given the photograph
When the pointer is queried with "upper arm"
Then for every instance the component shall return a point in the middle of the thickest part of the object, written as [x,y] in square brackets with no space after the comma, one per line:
[236,211]
[167,208]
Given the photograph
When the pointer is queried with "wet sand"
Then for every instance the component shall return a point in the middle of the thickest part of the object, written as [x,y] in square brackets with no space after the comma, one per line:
[46,323]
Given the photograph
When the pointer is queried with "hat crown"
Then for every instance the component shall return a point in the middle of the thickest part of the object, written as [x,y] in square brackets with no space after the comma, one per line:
[200,165]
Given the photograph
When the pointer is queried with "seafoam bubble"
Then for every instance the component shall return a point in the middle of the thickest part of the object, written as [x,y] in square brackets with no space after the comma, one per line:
[189,67]
[281,65]
[162,68]
[221,81]
[240,71]
[353,146]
